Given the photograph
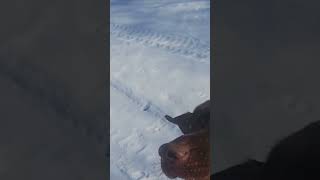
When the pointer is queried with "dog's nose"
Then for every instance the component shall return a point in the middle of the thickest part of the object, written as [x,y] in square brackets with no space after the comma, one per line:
[172,153]
[162,150]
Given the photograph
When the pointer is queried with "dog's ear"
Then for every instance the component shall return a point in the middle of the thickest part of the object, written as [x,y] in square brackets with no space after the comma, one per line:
[183,121]
[193,122]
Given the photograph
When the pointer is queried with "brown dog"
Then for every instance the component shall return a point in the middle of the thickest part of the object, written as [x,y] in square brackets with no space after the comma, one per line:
[188,156]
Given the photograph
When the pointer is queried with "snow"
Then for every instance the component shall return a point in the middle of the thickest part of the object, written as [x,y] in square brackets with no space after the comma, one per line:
[159,65]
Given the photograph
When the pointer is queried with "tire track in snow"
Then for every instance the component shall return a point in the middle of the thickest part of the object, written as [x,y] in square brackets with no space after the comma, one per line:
[183,45]
[141,102]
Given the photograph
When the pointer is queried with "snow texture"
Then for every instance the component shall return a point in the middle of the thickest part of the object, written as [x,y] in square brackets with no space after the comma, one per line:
[160,64]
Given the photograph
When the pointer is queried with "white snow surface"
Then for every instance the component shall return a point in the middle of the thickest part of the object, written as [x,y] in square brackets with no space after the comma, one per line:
[159,65]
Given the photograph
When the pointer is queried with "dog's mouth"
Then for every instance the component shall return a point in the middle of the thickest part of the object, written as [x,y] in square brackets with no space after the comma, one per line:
[168,169]
[191,168]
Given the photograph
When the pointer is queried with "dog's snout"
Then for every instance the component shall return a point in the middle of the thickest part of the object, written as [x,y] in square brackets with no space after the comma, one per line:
[172,153]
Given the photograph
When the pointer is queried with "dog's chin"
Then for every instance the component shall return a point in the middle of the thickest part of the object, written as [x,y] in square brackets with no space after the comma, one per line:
[172,171]
[168,169]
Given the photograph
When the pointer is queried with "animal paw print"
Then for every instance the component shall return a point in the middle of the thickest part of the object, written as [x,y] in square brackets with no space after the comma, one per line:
[133,143]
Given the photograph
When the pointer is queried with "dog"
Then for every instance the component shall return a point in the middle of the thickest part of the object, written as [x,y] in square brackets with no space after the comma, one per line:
[188,156]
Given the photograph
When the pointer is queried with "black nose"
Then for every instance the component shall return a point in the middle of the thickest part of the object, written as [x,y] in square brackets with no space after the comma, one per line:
[171,153]
[163,149]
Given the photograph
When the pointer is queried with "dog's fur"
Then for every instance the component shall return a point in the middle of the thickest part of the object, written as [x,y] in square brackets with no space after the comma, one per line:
[188,156]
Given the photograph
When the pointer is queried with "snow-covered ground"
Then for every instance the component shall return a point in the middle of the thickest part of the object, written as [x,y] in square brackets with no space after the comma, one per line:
[159,65]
